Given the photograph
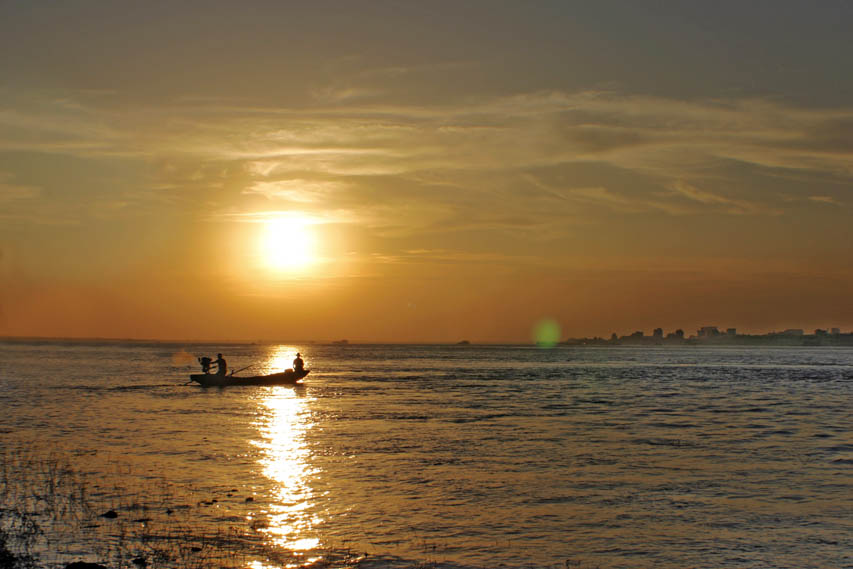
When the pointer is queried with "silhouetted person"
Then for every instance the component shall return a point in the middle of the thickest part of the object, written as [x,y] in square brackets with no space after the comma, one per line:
[221,365]
[205,364]
[298,364]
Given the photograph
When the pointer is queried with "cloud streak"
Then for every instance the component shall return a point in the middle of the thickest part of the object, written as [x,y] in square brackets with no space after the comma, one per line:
[11,192]
[672,156]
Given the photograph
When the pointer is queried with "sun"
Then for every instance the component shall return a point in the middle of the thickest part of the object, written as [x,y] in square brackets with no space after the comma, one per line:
[287,244]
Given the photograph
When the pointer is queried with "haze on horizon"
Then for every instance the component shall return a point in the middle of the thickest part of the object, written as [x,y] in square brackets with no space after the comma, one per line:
[423,171]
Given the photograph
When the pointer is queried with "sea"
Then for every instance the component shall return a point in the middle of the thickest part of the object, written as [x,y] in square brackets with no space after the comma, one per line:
[474,456]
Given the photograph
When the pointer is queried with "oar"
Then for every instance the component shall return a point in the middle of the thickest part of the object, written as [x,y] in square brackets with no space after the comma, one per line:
[243,368]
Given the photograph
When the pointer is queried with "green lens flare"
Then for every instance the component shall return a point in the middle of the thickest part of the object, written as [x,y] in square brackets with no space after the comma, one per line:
[547,333]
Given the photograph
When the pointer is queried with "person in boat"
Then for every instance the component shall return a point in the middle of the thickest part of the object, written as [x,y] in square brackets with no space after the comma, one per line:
[205,364]
[298,364]
[221,365]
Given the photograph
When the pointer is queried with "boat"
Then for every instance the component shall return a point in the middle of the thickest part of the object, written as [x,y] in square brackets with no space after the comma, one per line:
[287,377]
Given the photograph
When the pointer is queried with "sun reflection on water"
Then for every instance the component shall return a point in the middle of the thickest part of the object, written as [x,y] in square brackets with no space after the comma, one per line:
[283,425]
[280,359]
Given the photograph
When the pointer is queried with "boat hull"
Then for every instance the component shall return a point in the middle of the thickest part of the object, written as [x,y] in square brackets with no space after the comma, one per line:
[288,377]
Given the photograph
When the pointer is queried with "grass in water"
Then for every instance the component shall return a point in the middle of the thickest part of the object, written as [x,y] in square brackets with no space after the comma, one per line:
[57,507]
[53,512]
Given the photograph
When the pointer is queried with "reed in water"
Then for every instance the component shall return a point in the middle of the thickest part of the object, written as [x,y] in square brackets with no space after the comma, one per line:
[52,514]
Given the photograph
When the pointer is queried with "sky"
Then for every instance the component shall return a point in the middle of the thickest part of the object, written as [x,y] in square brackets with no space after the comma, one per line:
[423,171]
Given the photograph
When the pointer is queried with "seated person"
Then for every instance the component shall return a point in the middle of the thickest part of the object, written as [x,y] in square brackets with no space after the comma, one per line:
[298,364]
[221,365]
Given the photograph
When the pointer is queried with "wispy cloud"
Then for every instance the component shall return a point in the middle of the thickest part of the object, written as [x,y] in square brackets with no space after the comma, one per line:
[297,216]
[727,204]
[297,190]
[400,161]
[337,95]
[829,200]
[518,131]
[10,192]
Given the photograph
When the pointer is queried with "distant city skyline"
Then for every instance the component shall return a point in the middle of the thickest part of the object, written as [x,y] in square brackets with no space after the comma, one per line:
[714,335]
[704,331]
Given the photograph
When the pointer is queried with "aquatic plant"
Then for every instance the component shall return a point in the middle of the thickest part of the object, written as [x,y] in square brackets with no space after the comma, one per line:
[53,512]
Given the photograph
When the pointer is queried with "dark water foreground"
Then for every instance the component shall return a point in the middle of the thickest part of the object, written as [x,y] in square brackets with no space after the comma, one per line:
[423,455]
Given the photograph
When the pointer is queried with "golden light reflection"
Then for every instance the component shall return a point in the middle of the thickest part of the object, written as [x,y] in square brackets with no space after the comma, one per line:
[307,562]
[282,428]
[280,359]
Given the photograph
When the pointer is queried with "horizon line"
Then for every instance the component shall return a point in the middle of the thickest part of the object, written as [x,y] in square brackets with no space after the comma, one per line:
[342,341]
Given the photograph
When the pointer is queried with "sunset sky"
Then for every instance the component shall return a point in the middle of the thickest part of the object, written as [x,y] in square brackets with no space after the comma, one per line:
[423,171]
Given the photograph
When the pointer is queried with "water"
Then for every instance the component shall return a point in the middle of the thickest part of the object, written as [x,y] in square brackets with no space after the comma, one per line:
[471,456]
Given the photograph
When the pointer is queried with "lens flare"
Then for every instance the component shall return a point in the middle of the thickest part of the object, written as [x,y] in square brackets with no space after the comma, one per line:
[547,333]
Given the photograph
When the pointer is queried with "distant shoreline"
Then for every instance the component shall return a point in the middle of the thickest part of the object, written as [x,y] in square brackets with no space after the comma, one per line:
[781,339]
[723,340]
[337,343]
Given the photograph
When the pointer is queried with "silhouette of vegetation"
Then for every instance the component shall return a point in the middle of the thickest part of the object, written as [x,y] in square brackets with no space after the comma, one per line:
[53,513]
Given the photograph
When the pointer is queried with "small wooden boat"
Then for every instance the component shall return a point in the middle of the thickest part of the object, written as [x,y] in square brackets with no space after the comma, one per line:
[288,377]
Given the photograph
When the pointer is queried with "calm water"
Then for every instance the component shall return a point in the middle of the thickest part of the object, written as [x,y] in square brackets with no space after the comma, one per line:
[476,456]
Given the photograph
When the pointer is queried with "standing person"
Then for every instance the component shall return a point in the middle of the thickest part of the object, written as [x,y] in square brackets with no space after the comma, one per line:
[298,364]
[221,365]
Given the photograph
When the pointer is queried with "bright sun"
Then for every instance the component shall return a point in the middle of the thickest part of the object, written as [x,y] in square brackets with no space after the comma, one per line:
[287,244]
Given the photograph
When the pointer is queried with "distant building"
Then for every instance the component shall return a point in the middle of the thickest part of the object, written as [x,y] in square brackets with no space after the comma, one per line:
[713,336]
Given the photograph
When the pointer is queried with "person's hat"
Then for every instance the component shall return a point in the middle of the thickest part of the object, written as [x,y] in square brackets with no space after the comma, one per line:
[297,354]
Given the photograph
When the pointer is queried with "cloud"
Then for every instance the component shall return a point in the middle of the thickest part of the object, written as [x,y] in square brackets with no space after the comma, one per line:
[336,95]
[19,202]
[398,165]
[681,198]
[825,200]
[726,204]
[517,131]
[58,126]
[302,217]
[10,192]
[606,197]
[297,190]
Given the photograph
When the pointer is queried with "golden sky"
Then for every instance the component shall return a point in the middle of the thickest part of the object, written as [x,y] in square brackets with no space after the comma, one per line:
[423,171]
